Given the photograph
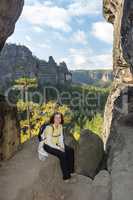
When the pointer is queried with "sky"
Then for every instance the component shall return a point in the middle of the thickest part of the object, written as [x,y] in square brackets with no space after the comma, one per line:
[73,31]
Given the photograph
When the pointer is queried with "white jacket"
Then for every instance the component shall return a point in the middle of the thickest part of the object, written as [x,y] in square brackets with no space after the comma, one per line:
[42,154]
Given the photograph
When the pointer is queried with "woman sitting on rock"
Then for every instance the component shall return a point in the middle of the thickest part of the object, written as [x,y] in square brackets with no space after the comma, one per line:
[54,144]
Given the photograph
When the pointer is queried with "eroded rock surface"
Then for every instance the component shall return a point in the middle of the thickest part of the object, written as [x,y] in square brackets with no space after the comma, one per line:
[9,14]
[9,130]
[113,12]
[9,138]
[26,177]
[89,154]
[118,116]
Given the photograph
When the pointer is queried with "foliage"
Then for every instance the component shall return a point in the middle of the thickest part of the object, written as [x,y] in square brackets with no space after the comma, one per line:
[40,114]
[95,125]
[77,117]
[25,83]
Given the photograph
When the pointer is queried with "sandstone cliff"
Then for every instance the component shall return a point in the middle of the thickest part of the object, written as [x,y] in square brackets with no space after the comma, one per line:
[93,77]
[9,138]
[119,110]
[9,130]
[9,13]
[17,61]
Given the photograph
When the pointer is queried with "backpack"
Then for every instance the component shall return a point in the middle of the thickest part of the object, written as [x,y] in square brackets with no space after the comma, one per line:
[41,134]
[42,154]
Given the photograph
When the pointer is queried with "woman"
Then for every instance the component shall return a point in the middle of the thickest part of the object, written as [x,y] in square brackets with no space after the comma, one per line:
[54,144]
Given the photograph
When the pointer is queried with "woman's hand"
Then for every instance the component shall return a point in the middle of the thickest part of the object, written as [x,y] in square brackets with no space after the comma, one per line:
[61,148]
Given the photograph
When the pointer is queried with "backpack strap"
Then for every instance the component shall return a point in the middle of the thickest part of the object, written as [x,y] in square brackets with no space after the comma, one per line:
[41,131]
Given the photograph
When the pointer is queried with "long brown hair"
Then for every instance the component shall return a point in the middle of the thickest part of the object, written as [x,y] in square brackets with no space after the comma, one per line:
[57,113]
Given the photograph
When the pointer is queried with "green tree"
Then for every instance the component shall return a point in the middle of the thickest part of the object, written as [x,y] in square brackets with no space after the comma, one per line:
[95,124]
[24,84]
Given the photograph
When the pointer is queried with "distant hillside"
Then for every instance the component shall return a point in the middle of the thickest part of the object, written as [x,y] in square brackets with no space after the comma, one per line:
[95,77]
[17,61]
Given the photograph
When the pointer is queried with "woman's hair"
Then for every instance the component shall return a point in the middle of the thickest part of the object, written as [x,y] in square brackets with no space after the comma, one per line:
[52,118]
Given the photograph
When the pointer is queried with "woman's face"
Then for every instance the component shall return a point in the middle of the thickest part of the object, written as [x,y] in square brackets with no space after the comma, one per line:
[57,119]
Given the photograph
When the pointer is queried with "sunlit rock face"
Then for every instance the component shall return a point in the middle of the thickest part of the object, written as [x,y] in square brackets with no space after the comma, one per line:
[110,8]
[118,116]
[114,12]
[118,12]
[9,14]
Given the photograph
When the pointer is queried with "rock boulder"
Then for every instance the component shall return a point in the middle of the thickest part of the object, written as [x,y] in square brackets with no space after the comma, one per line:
[26,177]
[89,154]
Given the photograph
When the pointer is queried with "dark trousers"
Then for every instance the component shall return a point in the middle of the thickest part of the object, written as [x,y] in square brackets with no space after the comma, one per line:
[66,159]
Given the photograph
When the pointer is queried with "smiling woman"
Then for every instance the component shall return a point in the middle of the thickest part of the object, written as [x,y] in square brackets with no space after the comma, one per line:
[54,144]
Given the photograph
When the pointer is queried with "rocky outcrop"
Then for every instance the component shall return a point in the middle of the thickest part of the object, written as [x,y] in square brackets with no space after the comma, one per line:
[9,13]
[101,186]
[126,33]
[89,154]
[114,13]
[25,177]
[9,130]
[51,72]
[17,61]
[119,110]
[93,77]
[9,138]
[118,127]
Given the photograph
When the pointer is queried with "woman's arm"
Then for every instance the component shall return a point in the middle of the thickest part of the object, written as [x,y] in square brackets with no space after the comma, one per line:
[61,141]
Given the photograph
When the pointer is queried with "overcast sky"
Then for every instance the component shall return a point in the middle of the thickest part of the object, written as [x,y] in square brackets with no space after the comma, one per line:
[73,31]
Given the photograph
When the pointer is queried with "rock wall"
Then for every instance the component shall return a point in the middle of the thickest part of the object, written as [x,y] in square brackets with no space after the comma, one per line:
[113,12]
[93,77]
[122,69]
[126,33]
[9,13]
[9,130]
[9,138]
[118,114]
